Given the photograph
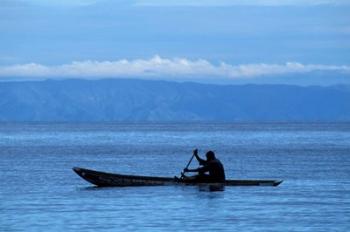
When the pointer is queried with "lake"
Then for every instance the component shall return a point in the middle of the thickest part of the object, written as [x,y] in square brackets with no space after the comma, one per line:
[40,192]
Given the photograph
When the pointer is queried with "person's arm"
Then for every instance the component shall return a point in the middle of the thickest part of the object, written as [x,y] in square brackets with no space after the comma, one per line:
[191,170]
[200,160]
[201,169]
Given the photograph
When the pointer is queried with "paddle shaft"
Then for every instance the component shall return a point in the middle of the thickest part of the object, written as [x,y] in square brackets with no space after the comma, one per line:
[189,162]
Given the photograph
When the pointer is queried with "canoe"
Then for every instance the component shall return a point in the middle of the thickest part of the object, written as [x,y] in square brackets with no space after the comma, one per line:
[104,179]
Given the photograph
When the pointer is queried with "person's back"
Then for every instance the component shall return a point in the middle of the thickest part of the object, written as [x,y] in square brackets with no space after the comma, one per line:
[216,170]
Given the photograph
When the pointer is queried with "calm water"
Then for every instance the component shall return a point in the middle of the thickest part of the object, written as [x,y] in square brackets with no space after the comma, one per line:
[39,192]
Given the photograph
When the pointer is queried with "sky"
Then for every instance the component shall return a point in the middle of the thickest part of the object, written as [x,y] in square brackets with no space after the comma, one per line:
[266,41]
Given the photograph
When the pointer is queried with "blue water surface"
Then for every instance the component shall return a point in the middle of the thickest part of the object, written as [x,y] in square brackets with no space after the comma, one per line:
[40,192]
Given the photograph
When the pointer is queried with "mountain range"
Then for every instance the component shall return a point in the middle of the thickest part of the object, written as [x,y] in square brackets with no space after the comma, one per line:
[126,100]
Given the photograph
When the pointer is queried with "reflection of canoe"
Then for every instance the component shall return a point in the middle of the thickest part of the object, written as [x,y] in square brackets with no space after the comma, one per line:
[104,179]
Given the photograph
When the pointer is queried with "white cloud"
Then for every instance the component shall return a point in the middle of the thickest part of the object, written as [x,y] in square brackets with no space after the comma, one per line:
[158,67]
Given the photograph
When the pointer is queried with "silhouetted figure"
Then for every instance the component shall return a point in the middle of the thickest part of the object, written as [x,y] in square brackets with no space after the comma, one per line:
[212,165]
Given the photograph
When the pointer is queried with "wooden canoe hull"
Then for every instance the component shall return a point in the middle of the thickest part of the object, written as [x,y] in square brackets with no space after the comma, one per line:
[104,179]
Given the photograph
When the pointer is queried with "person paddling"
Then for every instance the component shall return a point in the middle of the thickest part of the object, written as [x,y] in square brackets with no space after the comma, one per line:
[211,165]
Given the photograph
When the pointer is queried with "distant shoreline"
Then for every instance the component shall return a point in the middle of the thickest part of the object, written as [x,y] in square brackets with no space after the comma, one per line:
[140,101]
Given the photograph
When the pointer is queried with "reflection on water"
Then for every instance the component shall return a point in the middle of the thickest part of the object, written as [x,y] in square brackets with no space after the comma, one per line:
[40,192]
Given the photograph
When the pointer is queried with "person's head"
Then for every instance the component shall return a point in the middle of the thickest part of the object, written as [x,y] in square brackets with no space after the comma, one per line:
[210,155]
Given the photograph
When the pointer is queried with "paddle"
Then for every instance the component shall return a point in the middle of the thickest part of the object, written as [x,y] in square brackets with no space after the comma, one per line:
[189,162]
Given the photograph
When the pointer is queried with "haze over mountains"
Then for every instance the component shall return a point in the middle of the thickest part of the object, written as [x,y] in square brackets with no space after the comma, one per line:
[141,100]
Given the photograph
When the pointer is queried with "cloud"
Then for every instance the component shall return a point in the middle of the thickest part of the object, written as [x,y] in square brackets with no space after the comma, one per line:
[159,68]
[240,2]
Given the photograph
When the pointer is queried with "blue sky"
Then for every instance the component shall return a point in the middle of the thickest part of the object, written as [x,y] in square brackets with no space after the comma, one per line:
[171,39]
